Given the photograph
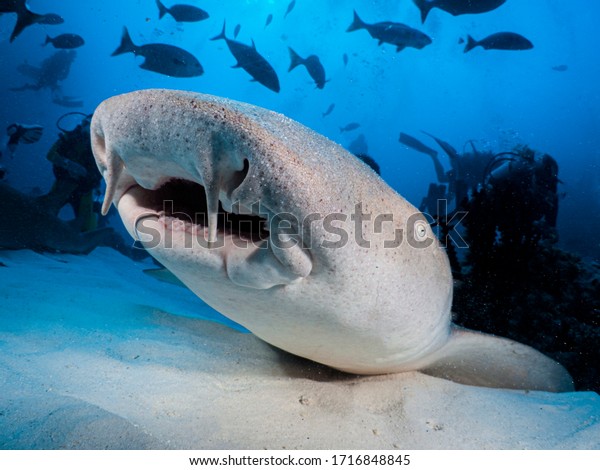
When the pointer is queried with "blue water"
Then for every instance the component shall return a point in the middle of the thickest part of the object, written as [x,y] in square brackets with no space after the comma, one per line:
[496,98]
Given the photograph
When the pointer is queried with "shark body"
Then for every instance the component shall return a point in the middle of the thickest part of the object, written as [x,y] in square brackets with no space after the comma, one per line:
[324,260]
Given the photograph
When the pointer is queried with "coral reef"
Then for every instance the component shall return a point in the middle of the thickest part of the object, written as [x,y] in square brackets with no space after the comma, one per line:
[513,281]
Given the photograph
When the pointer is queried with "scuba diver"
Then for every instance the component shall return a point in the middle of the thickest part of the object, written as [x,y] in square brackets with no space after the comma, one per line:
[512,195]
[518,173]
[77,184]
[77,178]
[466,173]
[527,185]
[16,134]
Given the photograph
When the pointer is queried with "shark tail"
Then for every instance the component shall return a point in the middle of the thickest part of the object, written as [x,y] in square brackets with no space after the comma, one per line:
[221,35]
[296,60]
[474,358]
[471,43]
[357,23]
[126,45]
[425,7]
[162,10]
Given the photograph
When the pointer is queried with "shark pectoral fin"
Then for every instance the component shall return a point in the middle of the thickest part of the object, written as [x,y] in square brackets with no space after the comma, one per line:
[164,275]
[291,254]
[92,239]
[474,358]
[258,268]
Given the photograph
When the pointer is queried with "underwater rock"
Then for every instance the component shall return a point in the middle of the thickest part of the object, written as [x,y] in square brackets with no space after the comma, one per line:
[516,283]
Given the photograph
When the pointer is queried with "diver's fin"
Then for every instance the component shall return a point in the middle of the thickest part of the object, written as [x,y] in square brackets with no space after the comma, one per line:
[446,147]
[480,359]
[164,275]
[31,134]
[416,144]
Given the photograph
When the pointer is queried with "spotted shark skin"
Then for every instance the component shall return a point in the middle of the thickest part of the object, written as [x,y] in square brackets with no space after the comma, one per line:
[363,286]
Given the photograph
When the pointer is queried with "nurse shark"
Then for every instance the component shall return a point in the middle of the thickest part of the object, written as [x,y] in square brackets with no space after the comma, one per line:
[291,236]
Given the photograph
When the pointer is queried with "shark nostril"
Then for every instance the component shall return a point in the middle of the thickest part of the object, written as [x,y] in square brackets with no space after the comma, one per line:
[237,178]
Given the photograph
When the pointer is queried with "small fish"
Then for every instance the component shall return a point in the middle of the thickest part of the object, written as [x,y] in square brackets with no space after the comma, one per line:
[329,110]
[397,34]
[182,13]
[236,31]
[269,19]
[22,134]
[251,61]
[345,59]
[499,41]
[162,58]
[560,68]
[50,18]
[350,127]
[25,17]
[290,8]
[457,7]
[313,66]
[65,41]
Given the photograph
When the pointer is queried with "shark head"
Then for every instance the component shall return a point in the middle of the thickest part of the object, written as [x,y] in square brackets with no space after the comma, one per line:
[283,231]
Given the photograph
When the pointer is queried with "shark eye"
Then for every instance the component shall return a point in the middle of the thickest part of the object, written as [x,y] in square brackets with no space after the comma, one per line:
[420,231]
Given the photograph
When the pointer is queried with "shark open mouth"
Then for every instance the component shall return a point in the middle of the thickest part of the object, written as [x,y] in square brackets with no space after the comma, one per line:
[203,194]
[180,203]
[185,201]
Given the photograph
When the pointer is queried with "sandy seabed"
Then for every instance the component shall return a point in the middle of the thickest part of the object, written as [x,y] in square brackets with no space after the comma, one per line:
[94,354]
